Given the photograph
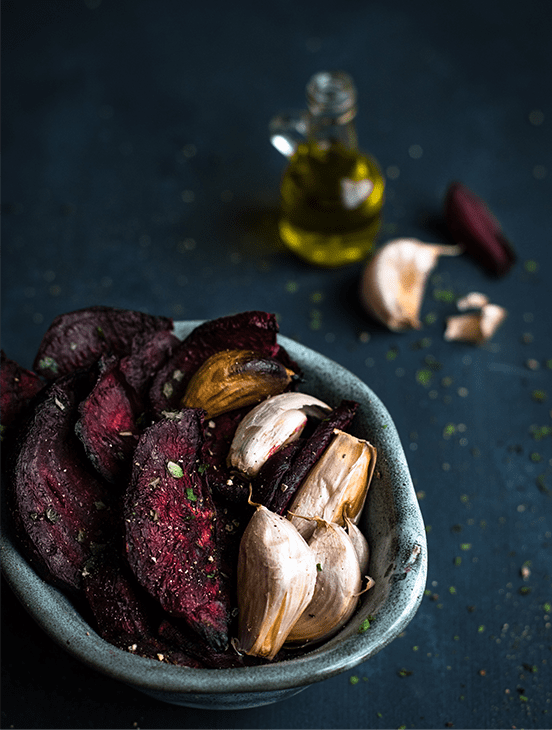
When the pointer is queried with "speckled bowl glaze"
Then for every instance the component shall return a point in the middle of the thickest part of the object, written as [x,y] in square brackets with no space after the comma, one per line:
[391,520]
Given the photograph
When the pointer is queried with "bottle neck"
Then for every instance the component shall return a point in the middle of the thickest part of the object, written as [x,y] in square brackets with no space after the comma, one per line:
[330,131]
[331,99]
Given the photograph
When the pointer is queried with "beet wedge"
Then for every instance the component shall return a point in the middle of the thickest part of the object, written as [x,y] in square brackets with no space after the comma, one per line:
[303,461]
[148,353]
[245,331]
[170,523]
[17,388]
[108,423]
[78,339]
[61,508]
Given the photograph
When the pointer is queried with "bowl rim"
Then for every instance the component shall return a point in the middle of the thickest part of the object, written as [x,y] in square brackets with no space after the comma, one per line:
[47,604]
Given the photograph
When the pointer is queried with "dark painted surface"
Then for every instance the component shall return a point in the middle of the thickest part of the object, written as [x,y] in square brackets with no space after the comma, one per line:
[137,172]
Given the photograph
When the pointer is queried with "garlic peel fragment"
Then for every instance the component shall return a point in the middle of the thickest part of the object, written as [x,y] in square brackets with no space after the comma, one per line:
[393,282]
[276,577]
[270,426]
[360,543]
[336,487]
[475,327]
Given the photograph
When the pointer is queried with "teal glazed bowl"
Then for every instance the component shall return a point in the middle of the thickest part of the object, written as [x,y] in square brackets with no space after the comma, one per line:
[391,521]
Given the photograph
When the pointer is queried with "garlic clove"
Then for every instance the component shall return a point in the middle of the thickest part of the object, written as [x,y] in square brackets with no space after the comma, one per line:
[337,485]
[393,282]
[476,327]
[338,584]
[360,543]
[270,426]
[232,379]
[276,577]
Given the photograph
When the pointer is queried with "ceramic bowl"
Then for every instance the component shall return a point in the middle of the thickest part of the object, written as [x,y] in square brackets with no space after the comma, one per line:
[391,520]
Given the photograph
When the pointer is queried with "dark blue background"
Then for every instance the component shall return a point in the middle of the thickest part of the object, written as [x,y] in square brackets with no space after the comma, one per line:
[137,172]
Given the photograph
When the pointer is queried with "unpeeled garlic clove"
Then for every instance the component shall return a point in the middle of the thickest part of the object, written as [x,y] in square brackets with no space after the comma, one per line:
[475,327]
[394,280]
[360,543]
[235,378]
[337,485]
[338,584]
[276,577]
[272,424]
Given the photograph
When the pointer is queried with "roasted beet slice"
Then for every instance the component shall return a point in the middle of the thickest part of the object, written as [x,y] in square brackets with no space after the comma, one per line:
[108,420]
[78,339]
[312,449]
[272,475]
[170,523]
[125,615]
[61,508]
[245,331]
[17,388]
[148,353]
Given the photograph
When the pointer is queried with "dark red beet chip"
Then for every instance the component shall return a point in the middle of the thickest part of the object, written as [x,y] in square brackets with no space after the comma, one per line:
[108,420]
[474,227]
[148,353]
[78,339]
[18,386]
[245,331]
[308,455]
[170,524]
[61,508]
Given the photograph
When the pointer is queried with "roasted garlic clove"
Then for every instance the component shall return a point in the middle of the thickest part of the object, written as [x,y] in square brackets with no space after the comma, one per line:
[394,280]
[268,427]
[338,584]
[235,378]
[336,487]
[360,543]
[276,577]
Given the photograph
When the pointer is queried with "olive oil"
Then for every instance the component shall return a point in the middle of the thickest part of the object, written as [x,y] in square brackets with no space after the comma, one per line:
[331,201]
[331,193]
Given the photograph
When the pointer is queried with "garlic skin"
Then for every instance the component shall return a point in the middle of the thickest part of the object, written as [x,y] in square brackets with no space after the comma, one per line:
[360,544]
[393,282]
[338,585]
[272,424]
[475,327]
[473,300]
[276,578]
[337,485]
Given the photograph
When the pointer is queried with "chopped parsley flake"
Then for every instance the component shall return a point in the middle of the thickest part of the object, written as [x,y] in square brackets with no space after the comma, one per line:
[175,470]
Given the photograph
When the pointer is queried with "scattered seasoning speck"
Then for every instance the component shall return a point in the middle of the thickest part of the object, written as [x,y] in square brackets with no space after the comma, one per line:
[365,625]
[480,629]
[423,376]
[292,287]
[531,266]
[405,673]
[539,395]
[465,546]
[452,590]
[354,679]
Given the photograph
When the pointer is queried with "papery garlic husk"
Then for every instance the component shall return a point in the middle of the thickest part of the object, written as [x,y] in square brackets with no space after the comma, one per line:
[268,427]
[393,282]
[475,327]
[360,543]
[338,584]
[337,485]
[276,577]
[472,300]
[232,379]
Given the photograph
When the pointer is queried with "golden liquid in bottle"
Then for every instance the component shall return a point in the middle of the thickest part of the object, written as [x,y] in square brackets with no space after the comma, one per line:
[331,202]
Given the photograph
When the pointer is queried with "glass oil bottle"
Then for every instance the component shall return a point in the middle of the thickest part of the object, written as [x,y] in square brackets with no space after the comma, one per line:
[331,193]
